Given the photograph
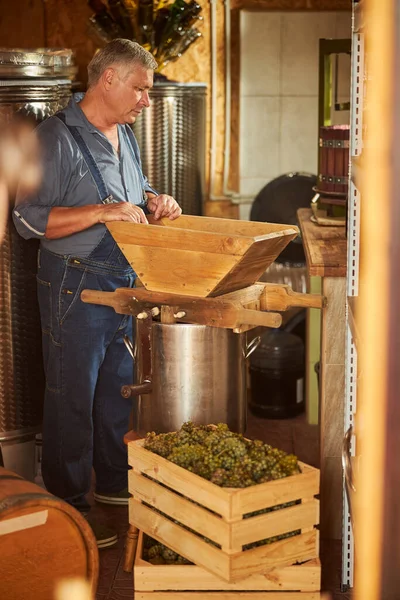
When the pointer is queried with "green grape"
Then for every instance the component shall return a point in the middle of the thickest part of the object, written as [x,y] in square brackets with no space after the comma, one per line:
[227,459]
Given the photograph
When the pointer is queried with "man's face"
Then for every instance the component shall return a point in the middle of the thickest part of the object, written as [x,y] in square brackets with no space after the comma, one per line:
[128,93]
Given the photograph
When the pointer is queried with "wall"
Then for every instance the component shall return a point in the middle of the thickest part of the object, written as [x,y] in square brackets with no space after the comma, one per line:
[279,92]
[64,23]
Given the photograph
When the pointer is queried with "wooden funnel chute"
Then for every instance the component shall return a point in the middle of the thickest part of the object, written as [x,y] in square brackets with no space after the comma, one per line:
[200,256]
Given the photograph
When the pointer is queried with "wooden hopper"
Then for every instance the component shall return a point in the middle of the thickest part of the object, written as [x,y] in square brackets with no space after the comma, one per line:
[200,256]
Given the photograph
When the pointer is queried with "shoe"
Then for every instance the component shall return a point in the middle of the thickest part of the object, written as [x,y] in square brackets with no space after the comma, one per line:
[105,537]
[118,498]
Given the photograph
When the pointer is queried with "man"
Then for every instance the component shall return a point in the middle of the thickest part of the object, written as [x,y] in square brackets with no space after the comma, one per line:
[92,175]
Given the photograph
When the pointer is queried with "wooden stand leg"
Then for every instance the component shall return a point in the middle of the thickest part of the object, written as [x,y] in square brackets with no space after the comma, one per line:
[133,532]
[130,548]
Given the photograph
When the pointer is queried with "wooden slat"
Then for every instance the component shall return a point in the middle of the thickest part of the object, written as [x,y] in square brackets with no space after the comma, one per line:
[275,523]
[178,238]
[227,226]
[230,562]
[229,502]
[192,486]
[305,577]
[178,271]
[253,264]
[235,76]
[241,297]
[168,315]
[200,256]
[244,531]
[325,247]
[228,316]
[179,508]
[233,567]
[150,577]
[271,296]
[201,311]
[279,554]
[288,489]
[178,539]
[254,306]
[332,401]
[244,296]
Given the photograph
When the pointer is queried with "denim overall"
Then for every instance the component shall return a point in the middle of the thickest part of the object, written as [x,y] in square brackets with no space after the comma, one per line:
[86,363]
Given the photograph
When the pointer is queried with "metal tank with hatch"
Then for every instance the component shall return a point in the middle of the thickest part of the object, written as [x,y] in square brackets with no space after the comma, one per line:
[34,84]
[188,372]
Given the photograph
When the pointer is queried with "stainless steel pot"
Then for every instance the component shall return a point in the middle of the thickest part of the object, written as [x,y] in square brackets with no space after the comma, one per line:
[188,372]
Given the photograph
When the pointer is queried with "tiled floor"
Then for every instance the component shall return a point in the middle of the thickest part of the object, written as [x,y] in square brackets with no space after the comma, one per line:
[292,435]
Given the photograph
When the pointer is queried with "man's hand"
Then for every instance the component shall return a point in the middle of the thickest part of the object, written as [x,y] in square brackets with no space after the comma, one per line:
[164,206]
[122,211]
[66,220]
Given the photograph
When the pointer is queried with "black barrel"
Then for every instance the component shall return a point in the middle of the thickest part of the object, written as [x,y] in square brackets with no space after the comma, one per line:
[277,370]
[279,201]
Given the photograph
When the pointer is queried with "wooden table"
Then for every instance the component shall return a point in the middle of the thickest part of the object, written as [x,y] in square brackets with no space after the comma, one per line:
[326,255]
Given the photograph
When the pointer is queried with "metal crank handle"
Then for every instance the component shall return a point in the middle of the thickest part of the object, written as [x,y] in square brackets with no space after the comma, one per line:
[137,389]
[346,459]
[129,346]
[252,346]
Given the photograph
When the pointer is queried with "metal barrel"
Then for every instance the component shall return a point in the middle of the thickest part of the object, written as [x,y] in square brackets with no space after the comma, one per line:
[171,136]
[35,84]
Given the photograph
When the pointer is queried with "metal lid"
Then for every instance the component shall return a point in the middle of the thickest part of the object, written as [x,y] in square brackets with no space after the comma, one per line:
[37,62]
[177,90]
[33,90]
[28,83]
[178,84]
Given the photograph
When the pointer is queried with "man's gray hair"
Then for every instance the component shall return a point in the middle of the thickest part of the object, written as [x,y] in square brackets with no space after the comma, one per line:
[119,52]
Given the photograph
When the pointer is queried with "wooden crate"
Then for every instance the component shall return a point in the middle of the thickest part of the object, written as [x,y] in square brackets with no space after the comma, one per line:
[200,256]
[159,486]
[191,582]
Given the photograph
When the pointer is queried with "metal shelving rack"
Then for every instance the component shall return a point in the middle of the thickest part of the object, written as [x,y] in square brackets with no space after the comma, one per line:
[358,82]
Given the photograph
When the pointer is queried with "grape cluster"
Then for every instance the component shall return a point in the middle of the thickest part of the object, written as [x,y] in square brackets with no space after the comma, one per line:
[158,554]
[222,456]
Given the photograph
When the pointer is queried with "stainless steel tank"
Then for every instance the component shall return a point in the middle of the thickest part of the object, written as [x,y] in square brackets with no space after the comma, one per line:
[35,99]
[171,135]
[192,372]
[34,84]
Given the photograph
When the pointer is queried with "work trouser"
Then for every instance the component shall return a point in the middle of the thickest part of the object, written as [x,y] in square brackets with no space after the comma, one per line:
[86,363]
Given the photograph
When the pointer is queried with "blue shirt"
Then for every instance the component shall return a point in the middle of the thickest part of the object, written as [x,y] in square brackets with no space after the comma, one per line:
[67,181]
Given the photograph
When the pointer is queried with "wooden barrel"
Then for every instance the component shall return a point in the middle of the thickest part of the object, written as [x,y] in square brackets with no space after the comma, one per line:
[334,159]
[42,540]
